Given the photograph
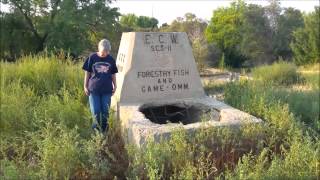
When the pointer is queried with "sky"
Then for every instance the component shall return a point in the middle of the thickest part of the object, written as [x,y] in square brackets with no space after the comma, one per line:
[168,10]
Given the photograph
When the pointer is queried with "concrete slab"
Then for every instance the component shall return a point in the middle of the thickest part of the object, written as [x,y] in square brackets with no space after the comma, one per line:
[138,128]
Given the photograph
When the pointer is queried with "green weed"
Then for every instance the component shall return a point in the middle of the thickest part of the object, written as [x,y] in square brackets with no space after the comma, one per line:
[279,73]
[45,130]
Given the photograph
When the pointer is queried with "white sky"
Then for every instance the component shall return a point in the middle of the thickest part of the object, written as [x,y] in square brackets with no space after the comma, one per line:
[167,11]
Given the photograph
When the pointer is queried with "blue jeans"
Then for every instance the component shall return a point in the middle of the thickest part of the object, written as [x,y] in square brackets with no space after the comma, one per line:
[99,106]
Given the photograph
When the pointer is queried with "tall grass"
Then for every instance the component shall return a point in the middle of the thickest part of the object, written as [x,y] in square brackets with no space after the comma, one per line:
[45,75]
[39,88]
[46,134]
[283,157]
[303,104]
[279,73]
[312,79]
[18,104]
[199,156]
[46,125]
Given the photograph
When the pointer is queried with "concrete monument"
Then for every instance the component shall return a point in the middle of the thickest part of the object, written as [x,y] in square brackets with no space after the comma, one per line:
[159,89]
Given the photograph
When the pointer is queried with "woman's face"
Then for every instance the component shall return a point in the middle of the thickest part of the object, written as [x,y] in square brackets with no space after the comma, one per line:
[103,52]
[100,48]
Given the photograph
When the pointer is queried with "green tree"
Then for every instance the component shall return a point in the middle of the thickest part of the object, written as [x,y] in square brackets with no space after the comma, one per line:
[131,22]
[194,27]
[306,41]
[289,21]
[15,39]
[273,11]
[251,34]
[256,41]
[62,24]
[225,32]
[147,22]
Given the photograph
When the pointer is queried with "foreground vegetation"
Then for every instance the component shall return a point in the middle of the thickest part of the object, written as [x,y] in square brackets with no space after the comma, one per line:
[45,130]
[45,124]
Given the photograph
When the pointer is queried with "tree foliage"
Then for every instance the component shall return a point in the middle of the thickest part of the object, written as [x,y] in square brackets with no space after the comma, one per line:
[59,24]
[131,22]
[194,27]
[273,11]
[252,35]
[245,34]
[224,30]
[306,42]
[289,21]
[15,38]
[256,41]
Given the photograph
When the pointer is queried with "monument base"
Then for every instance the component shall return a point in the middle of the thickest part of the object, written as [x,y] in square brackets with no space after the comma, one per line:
[159,119]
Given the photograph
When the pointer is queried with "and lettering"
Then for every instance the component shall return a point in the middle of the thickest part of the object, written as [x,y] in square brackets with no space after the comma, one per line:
[164,80]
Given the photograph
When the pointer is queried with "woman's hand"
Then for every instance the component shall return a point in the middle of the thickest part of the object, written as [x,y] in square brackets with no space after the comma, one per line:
[86,91]
[114,82]
[87,75]
[114,90]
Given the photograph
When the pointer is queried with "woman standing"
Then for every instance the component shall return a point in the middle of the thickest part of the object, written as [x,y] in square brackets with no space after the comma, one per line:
[100,83]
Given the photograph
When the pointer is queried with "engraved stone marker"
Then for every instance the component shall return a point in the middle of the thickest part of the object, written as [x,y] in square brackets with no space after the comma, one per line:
[156,66]
[159,89]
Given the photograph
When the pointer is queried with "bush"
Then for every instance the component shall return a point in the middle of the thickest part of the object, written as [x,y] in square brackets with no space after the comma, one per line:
[35,91]
[45,133]
[299,162]
[98,157]
[65,109]
[17,170]
[279,73]
[59,151]
[18,103]
[312,80]
[284,157]
[45,75]
[18,160]
[202,155]
[304,105]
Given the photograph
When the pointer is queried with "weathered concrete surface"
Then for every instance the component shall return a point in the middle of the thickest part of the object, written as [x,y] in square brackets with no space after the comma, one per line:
[138,128]
[156,65]
[159,69]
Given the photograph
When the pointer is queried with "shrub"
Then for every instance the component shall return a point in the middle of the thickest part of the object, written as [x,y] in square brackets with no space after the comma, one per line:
[98,158]
[284,157]
[9,170]
[279,73]
[34,91]
[299,162]
[65,109]
[59,151]
[18,167]
[202,155]
[312,80]
[45,132]
[303,104]
[18,103]
[46,75]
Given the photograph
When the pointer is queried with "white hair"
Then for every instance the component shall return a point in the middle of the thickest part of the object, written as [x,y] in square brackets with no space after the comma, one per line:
[104,45]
